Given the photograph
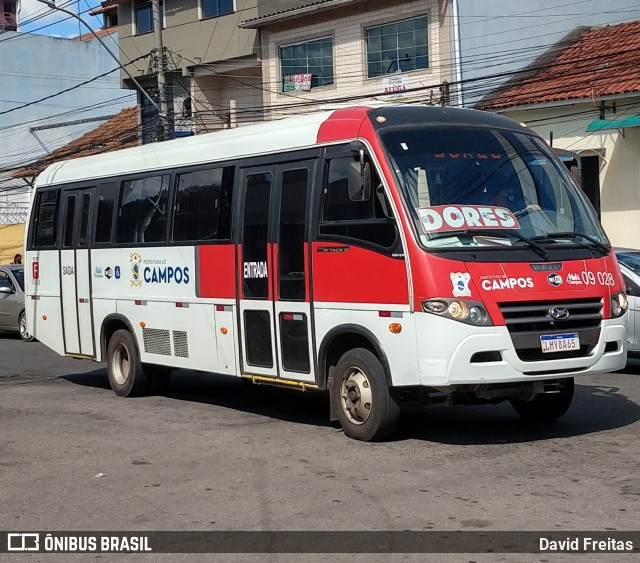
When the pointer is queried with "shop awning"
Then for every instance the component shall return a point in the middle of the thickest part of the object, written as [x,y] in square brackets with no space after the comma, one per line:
[604,124]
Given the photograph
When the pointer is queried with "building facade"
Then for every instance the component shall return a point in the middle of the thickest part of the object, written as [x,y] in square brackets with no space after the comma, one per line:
[212,66]
[230,63]
[349,52]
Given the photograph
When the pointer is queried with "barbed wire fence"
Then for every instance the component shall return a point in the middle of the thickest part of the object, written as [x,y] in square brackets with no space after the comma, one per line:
[12,213]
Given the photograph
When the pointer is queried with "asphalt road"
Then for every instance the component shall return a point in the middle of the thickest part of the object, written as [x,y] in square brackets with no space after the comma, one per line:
[217,454]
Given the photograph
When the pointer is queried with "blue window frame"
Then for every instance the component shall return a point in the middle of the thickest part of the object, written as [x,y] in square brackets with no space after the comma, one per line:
[144,16]
[214,8]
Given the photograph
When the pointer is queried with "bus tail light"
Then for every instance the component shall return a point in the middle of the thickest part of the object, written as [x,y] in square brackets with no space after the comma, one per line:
[469,312]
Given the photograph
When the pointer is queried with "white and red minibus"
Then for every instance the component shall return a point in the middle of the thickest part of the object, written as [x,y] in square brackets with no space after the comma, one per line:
[378,252]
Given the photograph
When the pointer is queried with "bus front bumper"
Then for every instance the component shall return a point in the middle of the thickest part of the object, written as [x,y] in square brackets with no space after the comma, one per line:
[459,354]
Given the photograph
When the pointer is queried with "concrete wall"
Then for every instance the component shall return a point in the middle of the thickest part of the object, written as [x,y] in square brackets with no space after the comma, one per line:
[619,164]
[35,66]
[220,102]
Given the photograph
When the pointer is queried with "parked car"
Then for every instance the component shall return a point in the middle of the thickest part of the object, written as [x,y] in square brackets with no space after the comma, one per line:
[629,260]
[12,316]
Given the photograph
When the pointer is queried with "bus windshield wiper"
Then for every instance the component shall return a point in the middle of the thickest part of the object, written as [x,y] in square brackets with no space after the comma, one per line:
[603,248]
[537,248]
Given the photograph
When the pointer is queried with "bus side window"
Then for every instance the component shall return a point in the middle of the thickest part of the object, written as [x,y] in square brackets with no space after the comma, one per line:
[338,206]
[142,215]
[45,232]
[369,221]
[203,205]
[106,204]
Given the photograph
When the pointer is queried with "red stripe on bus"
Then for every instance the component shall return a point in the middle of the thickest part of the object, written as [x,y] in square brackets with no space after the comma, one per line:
[358,276]
[217,271]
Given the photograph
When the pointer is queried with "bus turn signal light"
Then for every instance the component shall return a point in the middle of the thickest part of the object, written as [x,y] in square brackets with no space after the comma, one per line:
[396,328]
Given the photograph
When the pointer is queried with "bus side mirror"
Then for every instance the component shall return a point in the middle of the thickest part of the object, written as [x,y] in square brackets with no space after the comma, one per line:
[359,181]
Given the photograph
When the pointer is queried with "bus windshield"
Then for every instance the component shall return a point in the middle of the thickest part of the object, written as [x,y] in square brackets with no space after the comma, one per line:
[484,187]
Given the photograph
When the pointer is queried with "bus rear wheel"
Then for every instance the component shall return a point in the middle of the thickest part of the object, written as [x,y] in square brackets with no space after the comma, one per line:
[547,407]
[365,408]
[127,376]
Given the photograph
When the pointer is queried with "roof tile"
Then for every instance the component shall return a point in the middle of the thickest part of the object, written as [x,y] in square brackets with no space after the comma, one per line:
[602,62]
[119,132]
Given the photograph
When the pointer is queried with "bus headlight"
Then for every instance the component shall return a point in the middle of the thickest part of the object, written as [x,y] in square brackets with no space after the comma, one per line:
[619,304]
[477,315]
[459,310]
[434,306]
[469,312]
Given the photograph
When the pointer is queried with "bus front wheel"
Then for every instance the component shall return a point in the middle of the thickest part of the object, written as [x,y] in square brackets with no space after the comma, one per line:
[365,408]
[127,376]
[546,407]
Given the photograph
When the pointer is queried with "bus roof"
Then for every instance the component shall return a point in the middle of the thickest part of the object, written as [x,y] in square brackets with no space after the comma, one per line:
[291,133]
[262,138]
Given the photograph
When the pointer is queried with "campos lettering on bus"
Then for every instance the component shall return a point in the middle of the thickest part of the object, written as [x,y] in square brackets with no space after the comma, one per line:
[454,217]
[166,274]
[506,283]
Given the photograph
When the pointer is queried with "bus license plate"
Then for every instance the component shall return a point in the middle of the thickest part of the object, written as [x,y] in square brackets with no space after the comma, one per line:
[560,343]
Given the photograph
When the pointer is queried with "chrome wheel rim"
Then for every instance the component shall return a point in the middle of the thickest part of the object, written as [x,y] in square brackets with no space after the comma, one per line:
[23,327]
[121,364]
[356,396]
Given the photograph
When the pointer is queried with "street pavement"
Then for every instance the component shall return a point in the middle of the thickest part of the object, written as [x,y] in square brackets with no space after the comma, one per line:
[217,454]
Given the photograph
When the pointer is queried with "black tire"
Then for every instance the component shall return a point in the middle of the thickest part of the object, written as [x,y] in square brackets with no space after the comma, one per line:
[546,407]
[159,377]
[22,328]
[127,376]
[363,403]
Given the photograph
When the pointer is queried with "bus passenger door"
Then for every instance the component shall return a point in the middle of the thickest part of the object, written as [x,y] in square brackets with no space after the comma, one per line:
[255,266]
[275,308]
[75,270]
[292,304]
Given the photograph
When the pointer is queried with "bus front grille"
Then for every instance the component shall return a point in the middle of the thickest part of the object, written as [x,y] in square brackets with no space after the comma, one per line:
[527,322]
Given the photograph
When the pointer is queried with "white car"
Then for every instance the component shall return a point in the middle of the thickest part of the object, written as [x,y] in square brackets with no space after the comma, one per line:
[629,260]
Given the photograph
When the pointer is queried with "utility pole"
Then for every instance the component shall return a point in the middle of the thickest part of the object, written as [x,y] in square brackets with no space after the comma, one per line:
[160,69]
